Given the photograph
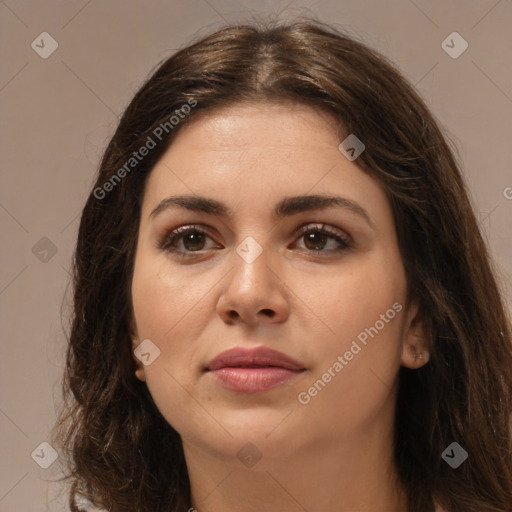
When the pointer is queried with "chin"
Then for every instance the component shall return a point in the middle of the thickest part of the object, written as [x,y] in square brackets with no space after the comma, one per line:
[254,433]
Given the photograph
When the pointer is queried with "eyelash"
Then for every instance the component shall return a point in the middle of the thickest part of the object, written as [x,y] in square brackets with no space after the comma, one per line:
[167,241]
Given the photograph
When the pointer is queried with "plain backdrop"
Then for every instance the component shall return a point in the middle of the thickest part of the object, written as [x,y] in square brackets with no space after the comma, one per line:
[58,113]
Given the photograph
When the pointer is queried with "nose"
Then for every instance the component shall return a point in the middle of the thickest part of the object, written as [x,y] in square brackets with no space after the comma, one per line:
[255,292]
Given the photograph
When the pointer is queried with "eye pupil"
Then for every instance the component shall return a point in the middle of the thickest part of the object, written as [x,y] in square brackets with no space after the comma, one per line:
[310,238]
[195,238]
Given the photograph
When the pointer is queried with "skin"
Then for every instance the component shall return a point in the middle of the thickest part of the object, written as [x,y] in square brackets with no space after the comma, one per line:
[335,452]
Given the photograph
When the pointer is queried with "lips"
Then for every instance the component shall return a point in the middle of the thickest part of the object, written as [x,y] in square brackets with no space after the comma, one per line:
[259,357]
[253,370]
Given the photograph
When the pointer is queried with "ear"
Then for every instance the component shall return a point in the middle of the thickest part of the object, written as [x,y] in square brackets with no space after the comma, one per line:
[416,345]
[139,367]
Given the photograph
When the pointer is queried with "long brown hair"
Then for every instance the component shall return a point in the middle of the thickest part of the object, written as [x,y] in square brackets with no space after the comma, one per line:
[123,455]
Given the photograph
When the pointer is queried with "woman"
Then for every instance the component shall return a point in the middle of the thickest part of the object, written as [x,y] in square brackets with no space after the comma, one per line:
[282,298]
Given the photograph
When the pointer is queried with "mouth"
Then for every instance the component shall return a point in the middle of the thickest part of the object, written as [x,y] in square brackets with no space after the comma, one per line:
[253,370]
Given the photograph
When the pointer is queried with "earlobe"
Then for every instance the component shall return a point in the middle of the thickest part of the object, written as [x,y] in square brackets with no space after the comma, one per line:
[139,367]
[416,345]
[414,357]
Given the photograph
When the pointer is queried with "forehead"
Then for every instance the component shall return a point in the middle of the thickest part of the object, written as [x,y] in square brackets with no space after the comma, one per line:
[256,154]
[267,132]
[281,122]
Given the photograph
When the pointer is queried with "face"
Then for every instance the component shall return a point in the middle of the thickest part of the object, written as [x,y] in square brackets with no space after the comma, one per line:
[248,262]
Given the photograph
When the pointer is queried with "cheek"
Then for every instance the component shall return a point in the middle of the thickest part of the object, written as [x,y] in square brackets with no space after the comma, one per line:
[170,309]
[163,299]
[356,299]
[364,310]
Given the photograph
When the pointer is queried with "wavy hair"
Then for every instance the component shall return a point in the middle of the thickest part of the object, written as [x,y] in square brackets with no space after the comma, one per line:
[122,455]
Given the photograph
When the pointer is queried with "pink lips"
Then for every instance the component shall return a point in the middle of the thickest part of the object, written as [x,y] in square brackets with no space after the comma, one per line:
[250,370]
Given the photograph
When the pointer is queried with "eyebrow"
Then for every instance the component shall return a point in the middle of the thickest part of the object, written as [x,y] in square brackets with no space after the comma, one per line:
[284,208]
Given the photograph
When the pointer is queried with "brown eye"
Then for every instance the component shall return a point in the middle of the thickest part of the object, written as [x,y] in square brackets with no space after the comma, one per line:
[193,241]
[191,238]
[317,237]
[315,241]
[187,240]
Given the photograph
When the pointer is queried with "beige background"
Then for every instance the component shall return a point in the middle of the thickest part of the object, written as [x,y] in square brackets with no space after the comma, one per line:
[57,115]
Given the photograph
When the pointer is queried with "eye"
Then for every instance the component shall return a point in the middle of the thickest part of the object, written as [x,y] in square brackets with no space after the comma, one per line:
[317,236]
[187,240]
[191,237]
